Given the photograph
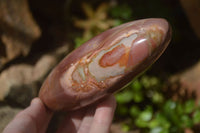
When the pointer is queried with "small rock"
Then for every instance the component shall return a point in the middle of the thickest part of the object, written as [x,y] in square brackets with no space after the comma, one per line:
[188,82]
[20,83]
[18,29]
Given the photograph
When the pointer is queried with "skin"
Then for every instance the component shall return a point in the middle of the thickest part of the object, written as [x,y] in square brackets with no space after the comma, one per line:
[35,119]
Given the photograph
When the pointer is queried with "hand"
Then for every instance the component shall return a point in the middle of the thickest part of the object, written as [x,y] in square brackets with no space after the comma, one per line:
[35,119]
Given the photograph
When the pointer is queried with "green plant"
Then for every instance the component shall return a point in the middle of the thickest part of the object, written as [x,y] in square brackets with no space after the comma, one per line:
[121,13]
[100,20]
[96,22]
[145,104]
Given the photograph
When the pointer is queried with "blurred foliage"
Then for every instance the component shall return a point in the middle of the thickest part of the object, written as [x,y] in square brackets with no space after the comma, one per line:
[145,105]
[101,19]
[142,102]
[95,23]
[121,13]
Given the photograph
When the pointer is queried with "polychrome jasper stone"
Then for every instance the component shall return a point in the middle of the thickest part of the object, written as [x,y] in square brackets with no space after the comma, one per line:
[105,64]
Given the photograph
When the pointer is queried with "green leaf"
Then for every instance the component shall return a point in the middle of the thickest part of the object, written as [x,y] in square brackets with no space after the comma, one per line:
[145,81]
[162,120]
[171,113]
[180,109]
[170,106]
[189,106]
[125,128]
[122,11]
[124,97]
[157,97]
[122,110]
[136,85]
[150,82]
[154,123]
[118,22]
[134,111]
[186,121]
[154,81]
[79,41]
[140,123]
[196,117]
[146,115]
[159,130]
[138,97]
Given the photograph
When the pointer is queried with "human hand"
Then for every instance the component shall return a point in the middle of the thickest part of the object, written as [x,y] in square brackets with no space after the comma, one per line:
[36,117]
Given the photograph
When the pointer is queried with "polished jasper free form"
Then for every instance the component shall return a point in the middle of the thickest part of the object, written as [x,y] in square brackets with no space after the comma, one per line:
[105,64]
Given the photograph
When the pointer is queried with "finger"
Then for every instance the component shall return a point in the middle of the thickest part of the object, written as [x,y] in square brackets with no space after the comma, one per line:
[103,116]
[87,121]
[71,122]
[33,119]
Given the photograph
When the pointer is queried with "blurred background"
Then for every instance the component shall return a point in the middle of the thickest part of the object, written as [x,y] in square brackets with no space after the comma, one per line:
[35,35]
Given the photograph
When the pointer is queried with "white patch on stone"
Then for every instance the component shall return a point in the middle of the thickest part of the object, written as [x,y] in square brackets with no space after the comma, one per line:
[101,73]
[81,72]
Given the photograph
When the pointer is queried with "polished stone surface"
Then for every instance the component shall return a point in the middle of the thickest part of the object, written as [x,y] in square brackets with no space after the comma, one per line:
[105,64]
